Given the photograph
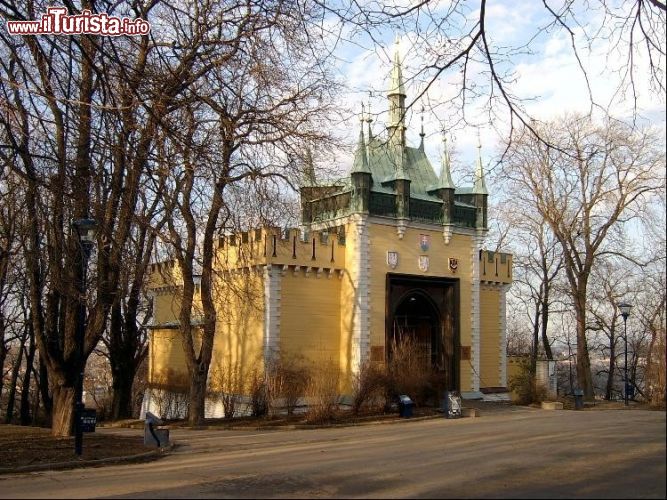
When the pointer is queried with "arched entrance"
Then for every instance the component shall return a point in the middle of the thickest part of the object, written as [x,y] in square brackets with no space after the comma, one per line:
[416,319]
[425,310]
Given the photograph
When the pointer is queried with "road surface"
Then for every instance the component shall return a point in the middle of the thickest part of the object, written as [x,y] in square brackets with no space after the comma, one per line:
[518,453]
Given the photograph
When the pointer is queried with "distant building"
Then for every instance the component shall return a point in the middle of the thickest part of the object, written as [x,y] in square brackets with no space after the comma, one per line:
[392,250]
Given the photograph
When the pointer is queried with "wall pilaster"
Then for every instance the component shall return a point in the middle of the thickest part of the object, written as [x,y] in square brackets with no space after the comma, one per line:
[272,291]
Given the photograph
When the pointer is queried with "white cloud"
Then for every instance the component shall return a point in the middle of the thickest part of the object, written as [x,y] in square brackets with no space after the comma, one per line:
[549,80]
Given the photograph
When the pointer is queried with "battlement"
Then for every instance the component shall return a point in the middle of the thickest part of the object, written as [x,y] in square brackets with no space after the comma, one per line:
[276,246]
[264,246]
[495,267]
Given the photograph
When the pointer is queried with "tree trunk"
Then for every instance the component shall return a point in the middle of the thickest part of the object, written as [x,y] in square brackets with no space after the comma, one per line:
[9,416]
[63,411]
[545,324]
[612,365]
[123,379]
[584,378]
[197,398]
[12,384]
[536,341]
[47,400]
[25,390]
[3,351]
[3,356]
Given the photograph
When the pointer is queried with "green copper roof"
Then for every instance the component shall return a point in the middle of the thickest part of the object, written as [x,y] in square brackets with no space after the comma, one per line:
[360,164]
[417,167]
[445,181]
[480,185]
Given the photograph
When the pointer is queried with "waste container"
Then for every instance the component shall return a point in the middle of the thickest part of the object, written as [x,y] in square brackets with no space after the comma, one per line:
[153,435]
[405,406]
[578,399]
[451,404]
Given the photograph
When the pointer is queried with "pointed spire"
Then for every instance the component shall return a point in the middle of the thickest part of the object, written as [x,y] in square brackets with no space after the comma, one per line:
[480,185]
[396,87]
[396,97]
[445,181]
[369,118]
[360,164]
[309,170]
[422,134]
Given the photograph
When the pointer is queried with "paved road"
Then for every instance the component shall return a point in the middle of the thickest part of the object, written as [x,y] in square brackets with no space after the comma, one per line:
[524,453]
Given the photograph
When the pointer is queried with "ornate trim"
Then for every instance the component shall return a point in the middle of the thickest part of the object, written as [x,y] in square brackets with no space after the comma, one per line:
[272,290]
[361,283]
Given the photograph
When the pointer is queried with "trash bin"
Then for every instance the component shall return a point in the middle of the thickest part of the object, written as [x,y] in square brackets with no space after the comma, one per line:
[154,435]
[578,399]
[451,404]
[405,406]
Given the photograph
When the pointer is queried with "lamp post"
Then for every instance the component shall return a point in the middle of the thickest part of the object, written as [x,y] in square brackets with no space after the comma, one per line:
[85,230]
[625,312]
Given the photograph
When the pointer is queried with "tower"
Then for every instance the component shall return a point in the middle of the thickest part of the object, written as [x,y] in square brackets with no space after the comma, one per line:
[396,143]
[480,193]
[445,190]
[362,179]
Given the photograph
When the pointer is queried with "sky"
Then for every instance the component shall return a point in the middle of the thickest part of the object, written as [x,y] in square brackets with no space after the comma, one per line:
[545,75]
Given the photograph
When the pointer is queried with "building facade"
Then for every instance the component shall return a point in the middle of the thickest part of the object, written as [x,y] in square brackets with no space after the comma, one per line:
[391,250]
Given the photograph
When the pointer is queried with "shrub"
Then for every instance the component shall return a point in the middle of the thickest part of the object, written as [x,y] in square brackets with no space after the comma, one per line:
[324,392]
[287,380]
[407,373]
[524,386]
[257,390]
[170,395]
[367,385]
[229,387]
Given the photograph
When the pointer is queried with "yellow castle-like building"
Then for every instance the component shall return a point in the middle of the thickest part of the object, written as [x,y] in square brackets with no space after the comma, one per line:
[391,250]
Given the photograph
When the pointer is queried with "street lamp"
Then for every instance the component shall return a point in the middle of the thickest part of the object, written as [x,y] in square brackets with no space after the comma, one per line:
[85,230]
[625,312]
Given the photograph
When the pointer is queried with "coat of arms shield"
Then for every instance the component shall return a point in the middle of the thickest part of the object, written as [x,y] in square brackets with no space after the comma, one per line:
[424,242]
[423,263]
[392,259]
[453,264]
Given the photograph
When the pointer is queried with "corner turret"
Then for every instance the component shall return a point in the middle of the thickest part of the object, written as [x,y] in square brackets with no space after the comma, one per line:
[361,176]
[480,193]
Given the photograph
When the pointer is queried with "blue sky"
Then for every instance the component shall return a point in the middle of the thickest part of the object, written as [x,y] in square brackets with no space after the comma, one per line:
[546,75]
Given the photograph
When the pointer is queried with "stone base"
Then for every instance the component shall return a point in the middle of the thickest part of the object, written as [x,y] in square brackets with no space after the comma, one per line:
[500,396]
[469,412]
[552,405]
[161,434]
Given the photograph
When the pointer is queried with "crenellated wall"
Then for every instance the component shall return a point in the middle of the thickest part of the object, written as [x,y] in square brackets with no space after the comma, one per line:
[322,296]
[495,267]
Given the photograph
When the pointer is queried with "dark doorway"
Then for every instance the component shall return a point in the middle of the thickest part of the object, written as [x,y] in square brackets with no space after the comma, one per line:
[417,317]
[425,309]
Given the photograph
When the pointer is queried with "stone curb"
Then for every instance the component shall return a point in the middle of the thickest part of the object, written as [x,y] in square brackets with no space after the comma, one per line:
[140,457]
[292,427]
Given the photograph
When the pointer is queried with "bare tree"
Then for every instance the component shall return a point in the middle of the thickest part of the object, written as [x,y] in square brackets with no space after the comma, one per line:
[8,253]
[611,282]
[537,263]
[83,114]
[599,177]
[461,45]
[253,120]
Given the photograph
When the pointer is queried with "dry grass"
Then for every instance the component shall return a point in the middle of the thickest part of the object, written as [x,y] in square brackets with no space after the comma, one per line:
[24,446]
